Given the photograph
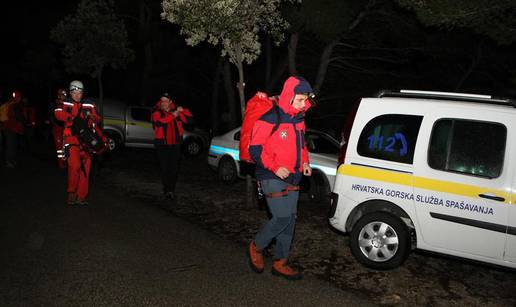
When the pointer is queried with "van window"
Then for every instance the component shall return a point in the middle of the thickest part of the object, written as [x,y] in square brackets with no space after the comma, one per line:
[141,114]
[468,147]
[390,137]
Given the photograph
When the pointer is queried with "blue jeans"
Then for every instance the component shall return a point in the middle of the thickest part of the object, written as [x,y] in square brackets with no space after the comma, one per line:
[281,226]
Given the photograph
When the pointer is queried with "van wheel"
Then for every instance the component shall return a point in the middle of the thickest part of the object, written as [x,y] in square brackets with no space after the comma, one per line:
[319,190]
[114,142]
[192,147]
[227,171]
[380,241]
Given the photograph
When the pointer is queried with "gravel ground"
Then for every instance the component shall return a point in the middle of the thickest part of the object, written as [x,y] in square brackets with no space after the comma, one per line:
[318,250]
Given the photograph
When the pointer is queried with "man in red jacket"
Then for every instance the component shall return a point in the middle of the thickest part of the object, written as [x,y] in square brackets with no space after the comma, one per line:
[279,150]
[167,122]
[78,156]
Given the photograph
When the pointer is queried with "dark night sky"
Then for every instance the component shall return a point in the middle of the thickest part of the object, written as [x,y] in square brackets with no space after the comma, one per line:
[437,63]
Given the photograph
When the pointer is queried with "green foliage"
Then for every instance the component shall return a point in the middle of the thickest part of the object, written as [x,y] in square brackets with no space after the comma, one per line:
[235,24]
[93,37]
[495,18]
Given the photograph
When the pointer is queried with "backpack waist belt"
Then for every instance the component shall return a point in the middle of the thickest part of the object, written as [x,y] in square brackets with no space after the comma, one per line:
[283,192]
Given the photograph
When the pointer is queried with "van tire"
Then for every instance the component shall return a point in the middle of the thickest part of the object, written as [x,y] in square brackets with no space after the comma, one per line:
[380,241]
[115,142]
[192,147]
[319,189]
[227,171]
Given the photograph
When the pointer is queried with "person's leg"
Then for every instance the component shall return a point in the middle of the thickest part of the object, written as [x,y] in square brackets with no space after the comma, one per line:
[74,168]
[281,213]
[175,158]
[284,238]
[11,144]
[163,154]
[84,177]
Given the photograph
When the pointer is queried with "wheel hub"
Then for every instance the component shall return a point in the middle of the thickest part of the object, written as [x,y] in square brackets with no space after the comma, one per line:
[378,241]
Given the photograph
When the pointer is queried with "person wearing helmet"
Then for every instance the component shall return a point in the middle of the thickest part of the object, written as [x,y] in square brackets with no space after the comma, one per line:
[58,126]
[78,157]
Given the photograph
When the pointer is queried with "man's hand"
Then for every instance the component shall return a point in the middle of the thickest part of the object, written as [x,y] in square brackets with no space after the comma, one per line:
[282,172]
[307,170]
[179,109]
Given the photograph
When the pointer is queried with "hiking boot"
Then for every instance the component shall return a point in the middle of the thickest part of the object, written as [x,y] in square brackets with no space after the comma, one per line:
[72,199]
[280,268]
[255,258]
[81,202]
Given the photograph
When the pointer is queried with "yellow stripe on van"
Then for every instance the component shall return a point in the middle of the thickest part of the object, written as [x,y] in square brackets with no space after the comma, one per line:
[113,121]
[418,182]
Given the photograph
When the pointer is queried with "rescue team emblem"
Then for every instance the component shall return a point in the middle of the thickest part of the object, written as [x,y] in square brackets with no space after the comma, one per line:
[283,135]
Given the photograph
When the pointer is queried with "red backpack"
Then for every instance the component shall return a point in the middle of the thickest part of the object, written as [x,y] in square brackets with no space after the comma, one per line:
[255,108]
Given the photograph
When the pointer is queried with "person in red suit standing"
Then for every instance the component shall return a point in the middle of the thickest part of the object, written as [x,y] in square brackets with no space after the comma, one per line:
[78,156]
[167,122]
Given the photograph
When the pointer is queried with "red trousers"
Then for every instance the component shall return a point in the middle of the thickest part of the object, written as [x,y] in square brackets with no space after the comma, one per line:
[57,132]
[79,163]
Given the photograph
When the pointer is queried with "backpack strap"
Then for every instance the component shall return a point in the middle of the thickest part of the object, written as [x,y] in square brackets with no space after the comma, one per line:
[275,107]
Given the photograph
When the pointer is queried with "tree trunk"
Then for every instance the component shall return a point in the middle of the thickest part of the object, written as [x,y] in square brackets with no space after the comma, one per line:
[100,103]
[281,67]
[323,65]
[144,26]
[471,68]
[292,51]
[215,97]
[230,95]
[241,83]
[268,61]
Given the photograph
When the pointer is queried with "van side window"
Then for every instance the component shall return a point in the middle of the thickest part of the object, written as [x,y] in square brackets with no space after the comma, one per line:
[468,147]
[141,114]
[390,137]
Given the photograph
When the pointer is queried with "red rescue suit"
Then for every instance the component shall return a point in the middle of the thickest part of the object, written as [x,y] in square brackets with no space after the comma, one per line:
[79,160]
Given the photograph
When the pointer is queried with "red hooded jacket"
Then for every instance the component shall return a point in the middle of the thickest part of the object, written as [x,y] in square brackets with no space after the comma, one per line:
[168,128]
[286,146]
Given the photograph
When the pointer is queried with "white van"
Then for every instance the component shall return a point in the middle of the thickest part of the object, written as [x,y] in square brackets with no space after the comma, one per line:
[429,170]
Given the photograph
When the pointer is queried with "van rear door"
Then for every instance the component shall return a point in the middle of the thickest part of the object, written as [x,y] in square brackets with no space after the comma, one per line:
[139,126]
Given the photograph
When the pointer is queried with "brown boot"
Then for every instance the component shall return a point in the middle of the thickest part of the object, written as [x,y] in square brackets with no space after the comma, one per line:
[72,199]
[280,268]
[255,258]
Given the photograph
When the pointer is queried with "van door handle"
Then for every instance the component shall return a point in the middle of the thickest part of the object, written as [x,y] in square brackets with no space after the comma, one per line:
[492,197]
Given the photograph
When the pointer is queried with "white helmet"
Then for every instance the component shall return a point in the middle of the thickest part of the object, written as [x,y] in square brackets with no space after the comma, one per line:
[76,85]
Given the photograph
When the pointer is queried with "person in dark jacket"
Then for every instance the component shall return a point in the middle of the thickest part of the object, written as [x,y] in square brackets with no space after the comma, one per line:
[279,150]
[14,128]
[167,122]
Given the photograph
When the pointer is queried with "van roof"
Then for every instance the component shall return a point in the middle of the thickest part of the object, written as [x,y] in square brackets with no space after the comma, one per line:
[448,96]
